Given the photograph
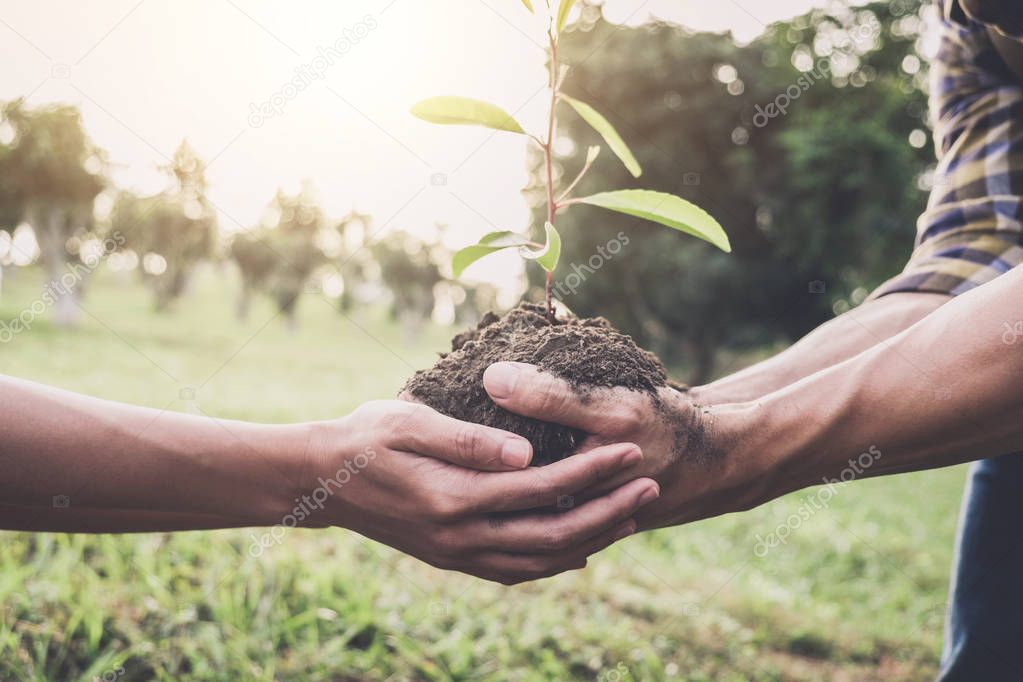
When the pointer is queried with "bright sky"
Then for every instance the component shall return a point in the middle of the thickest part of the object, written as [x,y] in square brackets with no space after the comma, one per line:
[146,74]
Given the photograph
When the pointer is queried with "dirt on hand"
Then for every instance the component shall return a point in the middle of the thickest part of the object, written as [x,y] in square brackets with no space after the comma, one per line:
[588,353]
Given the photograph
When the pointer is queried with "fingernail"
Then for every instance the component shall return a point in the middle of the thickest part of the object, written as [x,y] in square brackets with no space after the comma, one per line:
[500,379]
[633,456]
[649,495]
[625,531]
[515,453]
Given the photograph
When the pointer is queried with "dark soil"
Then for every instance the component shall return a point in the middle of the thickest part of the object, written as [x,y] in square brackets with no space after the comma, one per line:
[588,353]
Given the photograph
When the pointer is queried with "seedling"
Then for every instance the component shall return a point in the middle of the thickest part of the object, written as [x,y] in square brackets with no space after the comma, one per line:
[658,207]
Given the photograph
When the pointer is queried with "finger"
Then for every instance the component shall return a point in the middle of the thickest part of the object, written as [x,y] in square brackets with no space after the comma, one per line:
[525,390]
[428,432]
[511,569]
[566,532]
[544,486]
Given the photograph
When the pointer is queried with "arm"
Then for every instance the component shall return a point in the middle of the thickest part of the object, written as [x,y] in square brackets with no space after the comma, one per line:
[390,470]
[839,339]
[944,391]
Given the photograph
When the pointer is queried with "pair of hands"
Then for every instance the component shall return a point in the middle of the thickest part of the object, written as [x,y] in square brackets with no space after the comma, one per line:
[459,495]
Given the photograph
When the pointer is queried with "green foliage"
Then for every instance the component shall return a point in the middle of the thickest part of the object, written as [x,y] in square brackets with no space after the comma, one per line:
[179,225]
[52,174]
[827,192]
[281,256]
[48,160]
[492,242]
[666,209]
[546,256]
[607,131]
[656,207]
[466,111]
[411,269]
[563,10]
[868,576]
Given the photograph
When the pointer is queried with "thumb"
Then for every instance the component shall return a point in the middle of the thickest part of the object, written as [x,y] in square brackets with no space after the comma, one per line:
[428,432]
[525,390]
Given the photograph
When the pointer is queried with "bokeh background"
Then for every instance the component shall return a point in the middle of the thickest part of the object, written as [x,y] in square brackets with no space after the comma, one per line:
[225,208]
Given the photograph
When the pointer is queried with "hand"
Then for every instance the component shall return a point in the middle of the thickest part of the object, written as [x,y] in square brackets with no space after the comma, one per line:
[395,471]
[686,448]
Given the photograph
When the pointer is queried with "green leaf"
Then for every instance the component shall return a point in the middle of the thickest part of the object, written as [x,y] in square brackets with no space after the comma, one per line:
[608,132]
[666,209]
[549,254]
[465,111]
[563,10]
[490,243]
[528,5]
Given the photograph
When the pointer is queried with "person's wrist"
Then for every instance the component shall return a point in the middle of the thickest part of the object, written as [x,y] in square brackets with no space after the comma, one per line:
[750,457]
[719,463]
[287,459]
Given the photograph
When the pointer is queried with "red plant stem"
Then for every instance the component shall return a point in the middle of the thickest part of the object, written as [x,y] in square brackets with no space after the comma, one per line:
[548,149]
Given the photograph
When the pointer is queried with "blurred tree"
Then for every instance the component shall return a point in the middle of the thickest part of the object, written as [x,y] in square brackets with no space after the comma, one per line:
[172,231]
[256,262]
[819,200]
[410,269]
[11,204]
[52,173]
[282,255]
[355,260]
[474,302]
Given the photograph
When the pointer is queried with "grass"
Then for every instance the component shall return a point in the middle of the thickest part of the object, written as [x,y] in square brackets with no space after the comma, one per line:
[856,592]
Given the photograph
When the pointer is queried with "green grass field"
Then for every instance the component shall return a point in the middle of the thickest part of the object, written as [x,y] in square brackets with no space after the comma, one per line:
[856,593]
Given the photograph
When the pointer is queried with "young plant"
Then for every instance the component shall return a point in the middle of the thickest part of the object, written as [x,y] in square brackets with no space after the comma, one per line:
[658,207]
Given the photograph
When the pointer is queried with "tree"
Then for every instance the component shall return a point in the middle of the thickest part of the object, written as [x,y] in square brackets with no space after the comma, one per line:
[354,262]
[282,255]
[256,262]
[410,269]
[11,204]
[823,193]
[172,231]
[54,173]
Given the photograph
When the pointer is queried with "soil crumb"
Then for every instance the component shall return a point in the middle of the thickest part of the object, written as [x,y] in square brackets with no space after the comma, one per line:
[588,353]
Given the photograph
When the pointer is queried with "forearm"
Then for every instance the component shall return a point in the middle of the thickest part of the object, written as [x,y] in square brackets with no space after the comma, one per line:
[839,339]
[943,392]
[60,448]
[78,520]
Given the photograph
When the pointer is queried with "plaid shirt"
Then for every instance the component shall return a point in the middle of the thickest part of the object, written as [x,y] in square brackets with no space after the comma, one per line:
[972,230]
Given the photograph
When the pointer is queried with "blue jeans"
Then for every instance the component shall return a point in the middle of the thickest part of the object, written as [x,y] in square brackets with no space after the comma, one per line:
[984,624]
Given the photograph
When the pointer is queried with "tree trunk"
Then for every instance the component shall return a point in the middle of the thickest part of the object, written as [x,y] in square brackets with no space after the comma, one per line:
[50,235]
[65,309]
[244,303]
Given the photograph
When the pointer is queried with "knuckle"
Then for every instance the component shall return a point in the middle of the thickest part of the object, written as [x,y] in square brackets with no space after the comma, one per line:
[468,442]
[444,508]
[405,424]
[447,543]
[627,416]
[537,568]
[556,538]
[550,399]
[542,493]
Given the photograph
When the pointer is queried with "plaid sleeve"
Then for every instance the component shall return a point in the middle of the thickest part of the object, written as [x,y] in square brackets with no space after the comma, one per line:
[971,231]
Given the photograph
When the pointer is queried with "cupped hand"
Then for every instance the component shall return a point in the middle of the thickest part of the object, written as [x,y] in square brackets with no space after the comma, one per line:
[687,449]
[459,495]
